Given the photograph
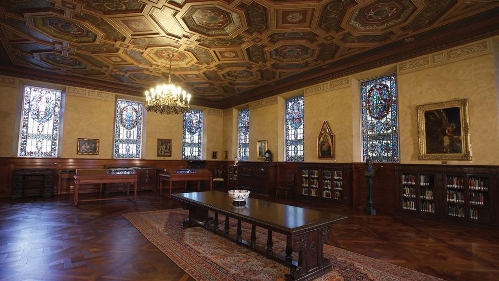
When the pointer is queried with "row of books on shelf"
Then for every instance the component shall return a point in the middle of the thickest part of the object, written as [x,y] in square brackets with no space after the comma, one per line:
[477,198]
[452,210]
[424,180]
[325,173]
[336,194]
[476,183]
[473,183]
[428,207]
[327,183]
[455,196]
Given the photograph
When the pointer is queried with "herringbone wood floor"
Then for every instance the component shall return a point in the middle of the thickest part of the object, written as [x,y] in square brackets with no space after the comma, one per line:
[51,239]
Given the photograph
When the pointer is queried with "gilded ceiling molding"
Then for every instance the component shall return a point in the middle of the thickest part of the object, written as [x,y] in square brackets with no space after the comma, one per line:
[8,81]
[467,51]
[214,111]
[228,111]
[328,86]
[263,102]
[75,91]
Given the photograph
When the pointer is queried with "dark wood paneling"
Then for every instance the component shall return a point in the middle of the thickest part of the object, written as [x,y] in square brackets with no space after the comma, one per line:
[384,187]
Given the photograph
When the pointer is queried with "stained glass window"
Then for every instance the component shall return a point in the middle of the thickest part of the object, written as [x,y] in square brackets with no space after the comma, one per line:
[40,121]
[243,135]
[128,129]
[193,135]
[294,129]
[380,138]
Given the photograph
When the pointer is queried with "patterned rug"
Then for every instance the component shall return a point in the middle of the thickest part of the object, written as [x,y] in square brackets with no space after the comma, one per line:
[206,256]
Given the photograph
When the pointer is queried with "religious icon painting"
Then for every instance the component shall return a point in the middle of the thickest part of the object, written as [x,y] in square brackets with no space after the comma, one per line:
[325,142]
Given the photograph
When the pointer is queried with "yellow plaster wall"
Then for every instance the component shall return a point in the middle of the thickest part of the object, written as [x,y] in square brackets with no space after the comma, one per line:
[264,115]
[159,126]
[91,118]
[8,96]
[335,107]
[213,133]
[469,77]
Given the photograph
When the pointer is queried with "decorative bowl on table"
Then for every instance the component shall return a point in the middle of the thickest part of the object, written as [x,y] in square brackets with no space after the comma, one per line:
[239,196]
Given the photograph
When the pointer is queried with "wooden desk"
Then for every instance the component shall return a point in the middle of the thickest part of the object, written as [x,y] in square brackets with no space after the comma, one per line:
[100,176]
[306,230]
[185,175]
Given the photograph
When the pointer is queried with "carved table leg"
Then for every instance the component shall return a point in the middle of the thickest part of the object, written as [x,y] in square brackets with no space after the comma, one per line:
[270,243]
[239,231]
[196,215]
[253,236]
[215,222]
[226,224]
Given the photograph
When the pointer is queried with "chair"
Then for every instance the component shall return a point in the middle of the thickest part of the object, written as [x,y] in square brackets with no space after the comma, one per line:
[287,186]
[219,179]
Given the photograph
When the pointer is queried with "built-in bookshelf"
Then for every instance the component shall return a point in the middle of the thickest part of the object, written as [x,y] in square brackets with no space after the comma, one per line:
[458,193]
[418,191]
[323,182]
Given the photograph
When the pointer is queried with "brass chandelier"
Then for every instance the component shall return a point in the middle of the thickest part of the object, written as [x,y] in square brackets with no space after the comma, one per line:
[167,98]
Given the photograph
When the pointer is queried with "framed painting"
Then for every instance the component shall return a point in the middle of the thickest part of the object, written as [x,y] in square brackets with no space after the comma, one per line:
[444,131]
[214,154]
[164,148]
[325,142]
[261,147]
[87,146]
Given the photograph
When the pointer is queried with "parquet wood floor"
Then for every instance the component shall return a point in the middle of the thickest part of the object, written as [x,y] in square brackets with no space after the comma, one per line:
[51,239]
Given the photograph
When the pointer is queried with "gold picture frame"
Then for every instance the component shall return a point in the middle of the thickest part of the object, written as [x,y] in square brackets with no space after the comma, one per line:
[164,148]
[87,146]
[261,147]
[444,131]
[325,142]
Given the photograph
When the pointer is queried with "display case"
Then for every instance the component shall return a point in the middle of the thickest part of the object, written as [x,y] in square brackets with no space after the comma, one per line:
[418,191]
[323,182]
[467,196]
[232,177]
[146,178]
[259,177]
[457,193]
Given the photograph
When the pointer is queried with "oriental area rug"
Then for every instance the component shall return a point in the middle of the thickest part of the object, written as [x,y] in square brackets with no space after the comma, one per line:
[207,256]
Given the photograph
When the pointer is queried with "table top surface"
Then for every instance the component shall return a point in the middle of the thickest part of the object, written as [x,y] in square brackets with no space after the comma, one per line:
[275,215]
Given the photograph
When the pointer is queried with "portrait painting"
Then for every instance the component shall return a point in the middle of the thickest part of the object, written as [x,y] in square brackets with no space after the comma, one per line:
[443,131]
[261,147]
[164,148]
[87,146]
[325,142]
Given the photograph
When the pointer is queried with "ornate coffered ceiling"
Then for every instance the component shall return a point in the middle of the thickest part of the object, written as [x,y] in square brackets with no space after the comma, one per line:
[226,52]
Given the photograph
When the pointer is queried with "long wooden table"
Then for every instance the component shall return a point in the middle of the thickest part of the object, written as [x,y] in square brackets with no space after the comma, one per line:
[101,176]
[185,175]
[306,230]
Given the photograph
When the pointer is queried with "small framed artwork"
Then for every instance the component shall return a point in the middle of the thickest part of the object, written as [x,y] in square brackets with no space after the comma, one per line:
[261,147]
[214,155]
[164,148]
[443,131]
[87,146]
[325,142]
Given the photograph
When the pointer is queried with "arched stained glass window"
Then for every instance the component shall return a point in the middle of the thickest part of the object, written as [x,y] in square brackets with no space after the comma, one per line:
[294,129]
[128,129]
[40,122]
[380,137]
[193,135]
[243,135]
